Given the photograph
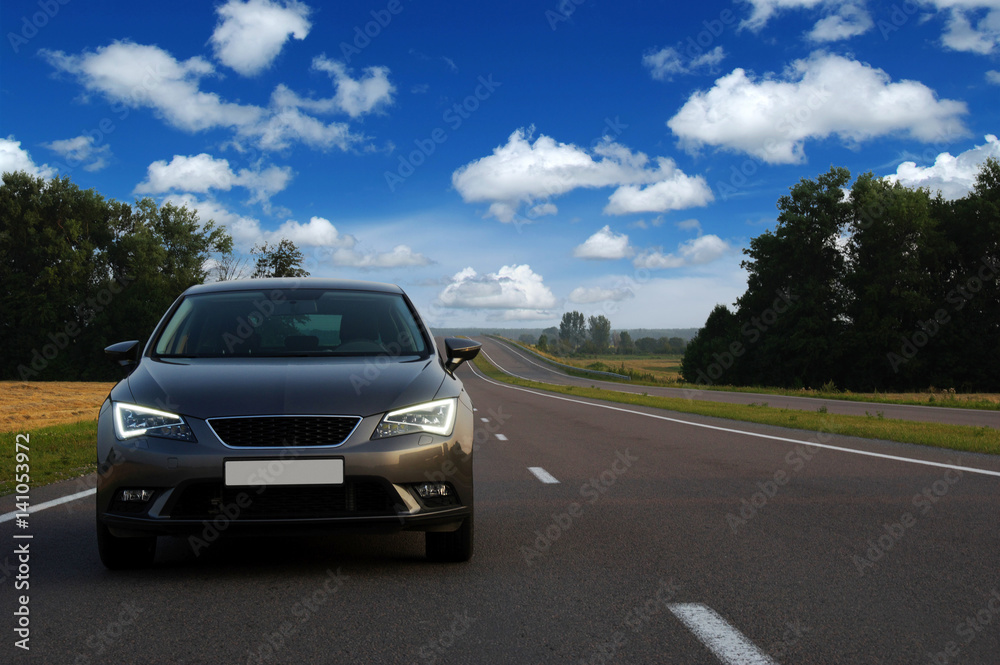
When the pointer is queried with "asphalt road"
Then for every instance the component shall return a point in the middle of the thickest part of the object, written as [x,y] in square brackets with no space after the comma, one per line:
[519,363]
[664,538]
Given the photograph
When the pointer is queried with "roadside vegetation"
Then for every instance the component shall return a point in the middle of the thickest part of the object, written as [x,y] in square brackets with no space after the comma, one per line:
[55,453]
[871,426]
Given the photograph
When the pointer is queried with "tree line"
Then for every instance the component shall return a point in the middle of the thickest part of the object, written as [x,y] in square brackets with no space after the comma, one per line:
[883,288]
[578,334]
[80,272]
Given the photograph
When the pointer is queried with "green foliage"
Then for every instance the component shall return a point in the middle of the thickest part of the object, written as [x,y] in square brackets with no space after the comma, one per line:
[81,272]
[886,289]
[600,332]
[281,260]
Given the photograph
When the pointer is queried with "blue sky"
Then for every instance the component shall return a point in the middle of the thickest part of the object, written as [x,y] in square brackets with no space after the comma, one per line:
[503,162]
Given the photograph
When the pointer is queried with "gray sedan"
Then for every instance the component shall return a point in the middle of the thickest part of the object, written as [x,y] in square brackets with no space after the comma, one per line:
[279,406]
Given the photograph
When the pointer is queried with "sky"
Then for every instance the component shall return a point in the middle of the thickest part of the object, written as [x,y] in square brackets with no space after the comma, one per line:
[503,162]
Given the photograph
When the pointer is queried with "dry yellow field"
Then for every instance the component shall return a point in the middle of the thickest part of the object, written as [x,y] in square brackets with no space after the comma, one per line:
[34,404]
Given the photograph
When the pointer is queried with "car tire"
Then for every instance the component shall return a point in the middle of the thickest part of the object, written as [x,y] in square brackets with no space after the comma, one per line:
[123,553]
[453,546]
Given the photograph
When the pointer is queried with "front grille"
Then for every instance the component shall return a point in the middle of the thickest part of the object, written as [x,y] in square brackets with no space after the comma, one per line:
[284,431]
[356,497]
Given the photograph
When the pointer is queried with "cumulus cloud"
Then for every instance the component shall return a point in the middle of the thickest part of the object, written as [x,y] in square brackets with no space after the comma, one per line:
[134,76]
[357,96]
[82,151]
[523,172]
[669,62]
[250,35]
[697,251]
[605,244]
[970,25]
[993,76]
[201,173]
[771,117]
[515,288]
[954,177]
[14,158]
[583,295]
[841,19]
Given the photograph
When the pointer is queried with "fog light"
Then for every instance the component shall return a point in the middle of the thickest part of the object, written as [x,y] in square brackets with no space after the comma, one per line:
[135,495]
[428,490]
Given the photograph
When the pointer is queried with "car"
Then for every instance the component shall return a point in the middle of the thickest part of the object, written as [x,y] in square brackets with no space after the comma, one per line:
[286,406]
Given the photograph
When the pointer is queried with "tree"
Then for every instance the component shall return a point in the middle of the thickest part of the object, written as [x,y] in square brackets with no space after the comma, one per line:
[600,332]
[709,358]
[572,329]
[281,260]
[625,344]
[543,343]
[229,266]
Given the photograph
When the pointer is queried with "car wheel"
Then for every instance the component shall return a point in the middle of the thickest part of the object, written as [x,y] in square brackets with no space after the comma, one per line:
[450,545]
[120,553]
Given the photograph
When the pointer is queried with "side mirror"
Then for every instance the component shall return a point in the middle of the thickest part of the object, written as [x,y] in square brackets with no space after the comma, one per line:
[125,354]
[458,351]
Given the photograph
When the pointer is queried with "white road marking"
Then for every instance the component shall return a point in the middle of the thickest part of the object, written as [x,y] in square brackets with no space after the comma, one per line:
[543,475]
[500,437]
[48,504]
[728,644]
[485,420]
[896,458]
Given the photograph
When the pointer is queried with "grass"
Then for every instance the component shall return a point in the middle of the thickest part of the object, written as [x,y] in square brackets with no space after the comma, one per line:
[665,371]
[872,426]
[57,452]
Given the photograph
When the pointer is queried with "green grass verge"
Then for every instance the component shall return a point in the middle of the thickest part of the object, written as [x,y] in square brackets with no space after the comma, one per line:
[955,437]
[954,401]
[54,453]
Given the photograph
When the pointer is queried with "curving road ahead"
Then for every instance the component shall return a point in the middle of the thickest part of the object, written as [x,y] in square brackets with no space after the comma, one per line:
[664,539]
[520,363]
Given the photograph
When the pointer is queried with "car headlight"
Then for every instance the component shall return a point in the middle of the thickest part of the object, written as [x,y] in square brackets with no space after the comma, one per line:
[132,420]
[437,417]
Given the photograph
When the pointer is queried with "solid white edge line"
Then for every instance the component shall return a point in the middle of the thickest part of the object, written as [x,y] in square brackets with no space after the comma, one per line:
[728,644]
[48,504]
[543,475]
[940,465]
[500,437]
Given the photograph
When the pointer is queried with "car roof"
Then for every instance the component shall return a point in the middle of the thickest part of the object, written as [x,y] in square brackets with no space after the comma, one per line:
[293,283]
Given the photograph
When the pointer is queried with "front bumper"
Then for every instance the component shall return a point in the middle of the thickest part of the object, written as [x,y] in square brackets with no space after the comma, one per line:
[378,495]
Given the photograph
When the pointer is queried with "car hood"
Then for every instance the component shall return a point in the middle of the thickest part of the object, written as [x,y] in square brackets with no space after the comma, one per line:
[214,387]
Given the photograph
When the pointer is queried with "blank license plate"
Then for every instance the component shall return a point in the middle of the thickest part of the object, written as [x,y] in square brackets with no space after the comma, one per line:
[284,472]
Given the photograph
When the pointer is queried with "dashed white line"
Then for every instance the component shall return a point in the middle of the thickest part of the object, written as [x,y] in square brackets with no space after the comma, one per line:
[728,644]
[543,475]
[48,504]
[500,437]
[485,420]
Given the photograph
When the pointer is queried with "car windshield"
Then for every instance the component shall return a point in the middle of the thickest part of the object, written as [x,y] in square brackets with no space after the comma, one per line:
[291,322]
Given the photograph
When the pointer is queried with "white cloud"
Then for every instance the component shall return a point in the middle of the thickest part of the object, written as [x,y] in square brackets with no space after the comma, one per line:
[771,117]
[134,76]
[697,251]
[357,96]
[970,25]
[250,35]
[14,158]
[515,288]
[993,76]
[522,173]
[954,177]
[841,19]
[588,295]
[82,151]
[201,173]
[668,62]
[690,225]
[400,256]
[605,244]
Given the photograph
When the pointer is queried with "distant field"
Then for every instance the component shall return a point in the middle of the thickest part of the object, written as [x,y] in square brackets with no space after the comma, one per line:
[35,404]
[666,370]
